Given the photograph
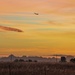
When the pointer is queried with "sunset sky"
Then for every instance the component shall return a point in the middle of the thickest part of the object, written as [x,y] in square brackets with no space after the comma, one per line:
[24,33]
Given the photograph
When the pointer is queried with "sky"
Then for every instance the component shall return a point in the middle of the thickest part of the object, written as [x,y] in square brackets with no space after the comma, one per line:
[52,31]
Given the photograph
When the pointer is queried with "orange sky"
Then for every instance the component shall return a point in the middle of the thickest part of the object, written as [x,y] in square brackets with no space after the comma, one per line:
[50,32]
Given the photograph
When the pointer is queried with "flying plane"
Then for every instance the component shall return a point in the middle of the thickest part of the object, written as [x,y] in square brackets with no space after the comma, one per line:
[36,13]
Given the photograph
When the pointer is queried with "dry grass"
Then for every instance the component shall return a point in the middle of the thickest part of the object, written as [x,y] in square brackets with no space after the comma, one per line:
[37,68]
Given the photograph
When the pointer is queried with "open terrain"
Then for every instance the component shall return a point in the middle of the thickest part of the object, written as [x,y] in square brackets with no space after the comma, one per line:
[36,68]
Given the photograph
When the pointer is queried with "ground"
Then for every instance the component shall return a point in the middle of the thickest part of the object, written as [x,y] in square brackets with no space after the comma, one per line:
[36,68]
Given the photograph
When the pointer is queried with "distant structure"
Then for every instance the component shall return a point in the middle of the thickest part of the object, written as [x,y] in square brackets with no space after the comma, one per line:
[11,57]
[63,59]
[53,58]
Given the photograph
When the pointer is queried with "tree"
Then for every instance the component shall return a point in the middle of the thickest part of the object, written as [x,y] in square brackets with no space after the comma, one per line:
[29,60]
[21,60]
[63,59]
[72,60]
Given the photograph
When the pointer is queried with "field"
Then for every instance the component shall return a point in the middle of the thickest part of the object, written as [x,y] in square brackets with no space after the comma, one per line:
[36,68]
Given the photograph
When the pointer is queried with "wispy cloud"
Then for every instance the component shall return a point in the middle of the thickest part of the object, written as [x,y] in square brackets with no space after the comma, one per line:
[10,29]
[60,55]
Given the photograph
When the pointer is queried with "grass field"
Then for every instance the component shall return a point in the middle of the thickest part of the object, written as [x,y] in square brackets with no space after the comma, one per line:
[36,68]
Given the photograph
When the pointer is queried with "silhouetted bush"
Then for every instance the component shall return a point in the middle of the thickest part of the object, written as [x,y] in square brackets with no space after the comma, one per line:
[29,60]
[35,60]
[63,59]
[16,60]
[21,60]
[72,60]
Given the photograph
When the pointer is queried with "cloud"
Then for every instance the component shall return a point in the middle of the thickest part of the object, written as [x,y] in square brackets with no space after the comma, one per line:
[10,29]
[68,10]
[61,55]
[52,22]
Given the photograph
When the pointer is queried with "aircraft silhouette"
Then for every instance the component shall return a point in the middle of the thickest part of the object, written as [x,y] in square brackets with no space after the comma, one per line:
[36,13]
